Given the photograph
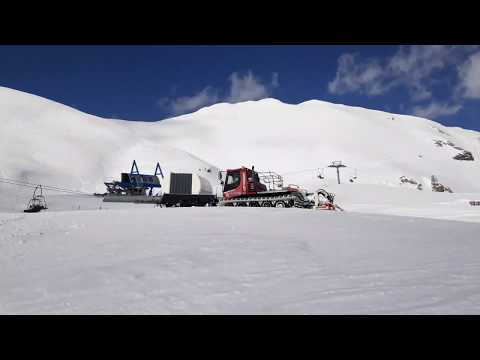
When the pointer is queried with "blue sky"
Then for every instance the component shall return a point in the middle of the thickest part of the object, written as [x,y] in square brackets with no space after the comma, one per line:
[154,82]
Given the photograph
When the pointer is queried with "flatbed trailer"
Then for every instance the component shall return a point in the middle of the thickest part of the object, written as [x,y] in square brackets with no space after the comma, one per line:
[167,200]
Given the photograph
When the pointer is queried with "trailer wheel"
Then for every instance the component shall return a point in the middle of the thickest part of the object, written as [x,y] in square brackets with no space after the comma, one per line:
[267,204]
[280,204]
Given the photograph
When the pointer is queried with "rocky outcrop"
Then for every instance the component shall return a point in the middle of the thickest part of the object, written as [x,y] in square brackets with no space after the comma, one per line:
[404,180]
[464,155]
[437,187]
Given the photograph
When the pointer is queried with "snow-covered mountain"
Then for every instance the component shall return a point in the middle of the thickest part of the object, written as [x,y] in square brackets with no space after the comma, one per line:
[46,142]
[296,140]
[83,256]
[42,141]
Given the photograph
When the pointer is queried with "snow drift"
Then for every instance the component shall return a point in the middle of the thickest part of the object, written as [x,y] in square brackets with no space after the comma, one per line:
[236,261]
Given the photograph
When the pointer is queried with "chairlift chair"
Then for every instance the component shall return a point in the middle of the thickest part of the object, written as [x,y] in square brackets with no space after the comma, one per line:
[37,202]
[320,174]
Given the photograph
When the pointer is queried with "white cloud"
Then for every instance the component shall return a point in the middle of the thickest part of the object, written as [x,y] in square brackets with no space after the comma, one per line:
[353,76]
[436,109]
[242,88]
[411,67]
[185,104]
[247,87]
[469,74]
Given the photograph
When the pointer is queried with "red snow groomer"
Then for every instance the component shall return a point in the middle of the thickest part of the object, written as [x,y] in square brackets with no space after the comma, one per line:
[244,187]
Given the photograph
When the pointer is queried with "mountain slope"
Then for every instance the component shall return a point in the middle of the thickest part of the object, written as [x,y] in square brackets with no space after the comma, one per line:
[46,142]
[298,139]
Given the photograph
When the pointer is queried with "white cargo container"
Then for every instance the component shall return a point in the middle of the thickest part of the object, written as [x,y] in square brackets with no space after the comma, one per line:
[186,184]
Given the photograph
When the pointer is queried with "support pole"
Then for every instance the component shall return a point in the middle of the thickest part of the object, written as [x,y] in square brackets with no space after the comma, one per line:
[337,165]
[134,166]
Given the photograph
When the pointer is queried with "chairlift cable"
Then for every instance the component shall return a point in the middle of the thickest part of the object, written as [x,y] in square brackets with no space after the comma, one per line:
[46,187]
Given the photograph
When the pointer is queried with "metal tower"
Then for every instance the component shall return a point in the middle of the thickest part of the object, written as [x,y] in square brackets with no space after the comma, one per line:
[337,165]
